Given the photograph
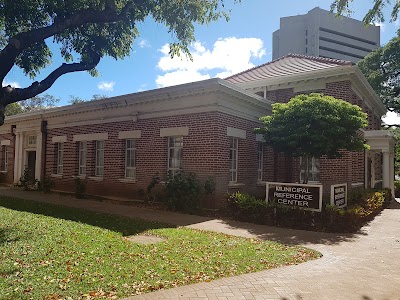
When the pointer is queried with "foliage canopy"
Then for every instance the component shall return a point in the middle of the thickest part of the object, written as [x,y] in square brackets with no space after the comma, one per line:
[382,70]
[374,14]
[314,125]
[86,31]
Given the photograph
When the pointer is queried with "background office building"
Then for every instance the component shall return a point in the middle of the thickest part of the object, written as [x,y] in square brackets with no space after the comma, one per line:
[320,33]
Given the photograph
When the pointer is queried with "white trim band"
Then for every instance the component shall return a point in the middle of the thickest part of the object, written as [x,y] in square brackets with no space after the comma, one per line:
[59,139]
[237,133]
[133,134]
[5,142]
[174,131]
[91,137]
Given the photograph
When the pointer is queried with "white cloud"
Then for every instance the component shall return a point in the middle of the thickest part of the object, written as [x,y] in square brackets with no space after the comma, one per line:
[12,83]
[144,43]
[227,56]
[382,25]
[391,118]
[106,86]
[179,77]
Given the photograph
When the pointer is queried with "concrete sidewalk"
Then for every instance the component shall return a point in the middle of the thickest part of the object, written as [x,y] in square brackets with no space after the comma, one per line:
[364,266]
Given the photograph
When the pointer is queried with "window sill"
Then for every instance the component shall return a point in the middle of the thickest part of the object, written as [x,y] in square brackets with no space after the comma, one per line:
[96,178]
[83,177]
[56,175]
[261,183]
[127,180]
[4,171]
[235,185]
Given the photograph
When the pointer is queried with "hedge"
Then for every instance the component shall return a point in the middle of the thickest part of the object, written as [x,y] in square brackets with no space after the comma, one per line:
[364,205]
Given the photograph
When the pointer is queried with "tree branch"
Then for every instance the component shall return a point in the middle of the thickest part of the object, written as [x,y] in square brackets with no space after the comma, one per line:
[11,95]
[24,40]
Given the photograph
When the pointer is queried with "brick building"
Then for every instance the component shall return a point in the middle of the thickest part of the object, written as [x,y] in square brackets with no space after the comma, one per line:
[118,144]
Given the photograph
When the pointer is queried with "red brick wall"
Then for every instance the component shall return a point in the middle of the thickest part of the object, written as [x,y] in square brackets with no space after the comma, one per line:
[7,176]
[348,169]
[205,152]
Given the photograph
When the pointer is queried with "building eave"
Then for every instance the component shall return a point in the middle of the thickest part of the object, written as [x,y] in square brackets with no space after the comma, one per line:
[127,103]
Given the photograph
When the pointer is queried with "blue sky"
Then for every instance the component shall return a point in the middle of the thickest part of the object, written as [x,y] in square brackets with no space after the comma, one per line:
[222,48]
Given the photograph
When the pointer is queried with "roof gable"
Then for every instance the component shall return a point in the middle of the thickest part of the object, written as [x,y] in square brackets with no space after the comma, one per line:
[291,64]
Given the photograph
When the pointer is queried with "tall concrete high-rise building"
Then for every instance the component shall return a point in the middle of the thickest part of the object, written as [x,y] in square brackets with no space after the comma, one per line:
[320,33]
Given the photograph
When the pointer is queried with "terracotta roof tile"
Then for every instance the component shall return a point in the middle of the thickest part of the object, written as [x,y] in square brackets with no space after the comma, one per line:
[290,64]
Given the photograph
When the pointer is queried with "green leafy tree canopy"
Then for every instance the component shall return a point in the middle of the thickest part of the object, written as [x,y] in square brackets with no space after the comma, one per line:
[314,125]
[382,70]
[86,31]
[374,14]
[39,102]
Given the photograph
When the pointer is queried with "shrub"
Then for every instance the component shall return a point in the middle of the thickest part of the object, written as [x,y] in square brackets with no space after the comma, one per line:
[365,205]
[46,184]
[80,188]
[183,192]
[397,188]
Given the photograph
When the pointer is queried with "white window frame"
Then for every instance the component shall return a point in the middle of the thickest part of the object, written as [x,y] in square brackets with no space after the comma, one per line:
[130,151]
[82,158]
[4,154]
[60,158]
[31,140]
[176,168]
[260,161]
[314,174]
[233,159]
[99,159]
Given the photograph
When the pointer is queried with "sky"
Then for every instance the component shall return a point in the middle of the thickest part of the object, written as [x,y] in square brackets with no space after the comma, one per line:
[221,49]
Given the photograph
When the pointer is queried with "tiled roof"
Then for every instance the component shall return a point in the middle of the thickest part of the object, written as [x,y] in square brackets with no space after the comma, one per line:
[291,64]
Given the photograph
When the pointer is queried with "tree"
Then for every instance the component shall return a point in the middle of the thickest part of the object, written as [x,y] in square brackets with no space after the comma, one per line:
[382,70]
[76,100]
[314,125]
[86,31]
[374,14]
[396,133]
[39,102]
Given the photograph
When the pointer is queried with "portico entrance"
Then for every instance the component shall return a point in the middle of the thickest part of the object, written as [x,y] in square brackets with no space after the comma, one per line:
[379,160]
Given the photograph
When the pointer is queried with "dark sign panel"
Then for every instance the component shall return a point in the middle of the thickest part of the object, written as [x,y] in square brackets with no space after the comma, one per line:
[305,196]
[339,195]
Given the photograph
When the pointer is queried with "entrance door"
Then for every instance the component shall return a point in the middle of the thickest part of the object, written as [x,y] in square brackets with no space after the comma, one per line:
[31,165]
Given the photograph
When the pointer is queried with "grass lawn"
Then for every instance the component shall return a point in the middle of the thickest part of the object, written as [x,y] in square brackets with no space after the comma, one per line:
[52,252]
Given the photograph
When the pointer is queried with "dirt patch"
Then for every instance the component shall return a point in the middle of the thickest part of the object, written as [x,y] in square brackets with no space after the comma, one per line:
[144,239]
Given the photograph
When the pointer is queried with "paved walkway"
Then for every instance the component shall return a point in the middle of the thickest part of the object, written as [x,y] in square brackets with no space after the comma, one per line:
[362,266]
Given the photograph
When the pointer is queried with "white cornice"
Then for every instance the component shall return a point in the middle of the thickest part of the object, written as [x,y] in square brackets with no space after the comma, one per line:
[182,99]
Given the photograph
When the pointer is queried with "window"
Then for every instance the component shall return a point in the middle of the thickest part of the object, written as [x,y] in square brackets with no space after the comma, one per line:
[4,158]
[99,171]
[130,158]
[313,167]
[82,158]
[260,160]
[175,145]
[31,140]
[233,158]
[60,158]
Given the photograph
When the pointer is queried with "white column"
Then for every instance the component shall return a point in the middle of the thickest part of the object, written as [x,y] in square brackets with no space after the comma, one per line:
[17,157]
[391,172]
[21,158]
[38,163]
[386,169]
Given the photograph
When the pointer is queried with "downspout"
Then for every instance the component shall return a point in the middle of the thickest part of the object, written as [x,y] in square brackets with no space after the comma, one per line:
[13,128]
[43,129]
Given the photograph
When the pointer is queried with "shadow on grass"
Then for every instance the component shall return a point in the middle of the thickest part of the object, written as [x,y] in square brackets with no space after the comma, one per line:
[124,225]
[6,236]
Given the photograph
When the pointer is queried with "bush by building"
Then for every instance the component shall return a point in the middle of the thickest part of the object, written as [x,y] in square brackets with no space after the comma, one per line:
[364,205]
